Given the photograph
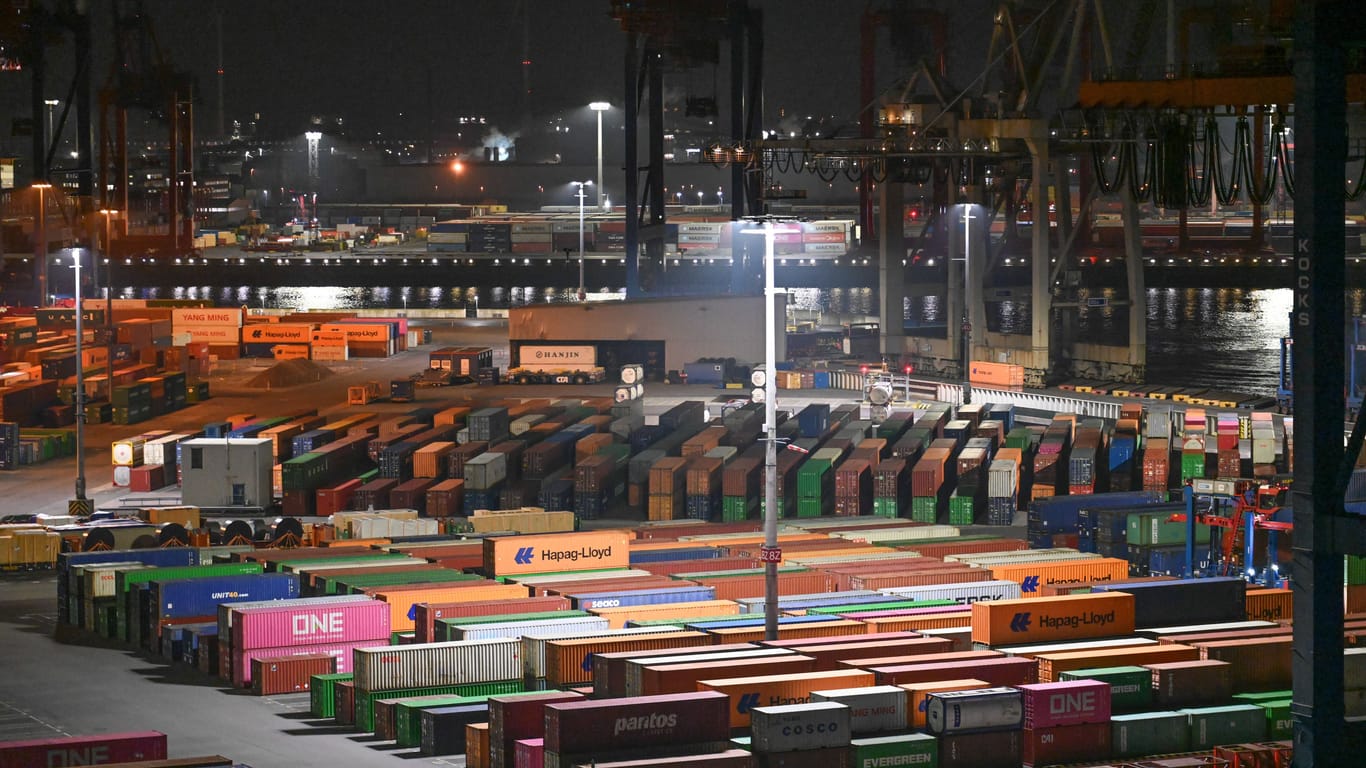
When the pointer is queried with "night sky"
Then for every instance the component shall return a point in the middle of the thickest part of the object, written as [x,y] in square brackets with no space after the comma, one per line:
[368,61]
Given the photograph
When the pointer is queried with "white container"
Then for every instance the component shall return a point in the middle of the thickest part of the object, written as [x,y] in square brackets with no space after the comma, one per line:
[486,470]
[123,476]
[967,592]
[1022,556]
[796,727]
[523,424]
[1003,478]
[985,709]
[632,374]
[626,392]
[429,665]
[872,709]
[516,629]
[901,534]
[533,646]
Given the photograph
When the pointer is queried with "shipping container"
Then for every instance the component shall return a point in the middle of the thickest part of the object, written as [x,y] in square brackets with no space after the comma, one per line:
[918,696]
[427,614]
[1051,665]
[433,664]
[239,663]
[1067,744]
[909,749]
[797,727]
[1191,683]
[1256,664]
[1130,686]
[611,726]
[990,749]
[1066,703]
[1149,733]
[519,717]
[288,674]
[999,671]
[84,750]
[569,662]
[1031,576]
[1185,601]
[518,555]
[309,625]
[776,690]
[1044,619]
[974,711]
[873,709]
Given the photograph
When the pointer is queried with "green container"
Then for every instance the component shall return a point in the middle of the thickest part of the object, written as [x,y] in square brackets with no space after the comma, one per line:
[356,584]
[742,742]
[812,478]
[106,614]
[408,714]
[902,749]
[962,510]
[444,627]
[891,605]
[1261,697]
[321,689]
[1354,568]
[925,509]
[1233,724]
[735,509]
[1280,724]
[1192,465]
[1149,733]
[365,700]
[811,507]
[1131,688]
[1020,437]
[402,638]
[885,507]
[1152,529]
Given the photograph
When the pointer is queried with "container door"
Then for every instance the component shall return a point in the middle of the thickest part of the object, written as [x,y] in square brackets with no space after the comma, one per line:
[239,494]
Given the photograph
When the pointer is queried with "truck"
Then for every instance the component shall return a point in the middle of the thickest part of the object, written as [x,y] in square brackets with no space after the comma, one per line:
[455,365]
[556,364]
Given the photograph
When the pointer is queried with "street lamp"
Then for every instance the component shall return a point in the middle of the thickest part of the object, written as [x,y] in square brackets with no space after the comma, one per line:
[770,553]
[108,213]
[967,303]
[599,107]
[51,123]
[40,235]
[582,194]
[79,503]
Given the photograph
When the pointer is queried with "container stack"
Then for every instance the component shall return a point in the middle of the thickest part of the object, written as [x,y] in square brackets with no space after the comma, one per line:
[1086,459]
[1050,460]
[1229,459]
[484,476]
[1193,438]
[891,488]
[1156,464]
[1066,722]
[329,629]
[742,485]
[599,481]
[816,483]
[969,496]
[817,733]
[1003,487]
[637,728]
[930,485]
[854,486]
[668,488]
[702,484]
[981,727]
[1263,445]
[1124,447]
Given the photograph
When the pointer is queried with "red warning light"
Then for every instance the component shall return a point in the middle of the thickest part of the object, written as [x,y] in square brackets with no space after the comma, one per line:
[863,369]
[910,369]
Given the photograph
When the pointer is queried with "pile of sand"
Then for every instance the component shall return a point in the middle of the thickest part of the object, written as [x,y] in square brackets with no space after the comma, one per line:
[289,373]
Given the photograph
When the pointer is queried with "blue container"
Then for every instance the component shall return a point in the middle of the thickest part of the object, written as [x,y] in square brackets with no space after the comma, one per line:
[820,380]
[1062,514]
[256,427]
[311,439]
[555,496]
[643,438]
[705,373]
[590,600]
[1003,413]
[814,419]
[200,597]
[1121,451]
[1185,601]
[258,350]
[670,555]
[216,428]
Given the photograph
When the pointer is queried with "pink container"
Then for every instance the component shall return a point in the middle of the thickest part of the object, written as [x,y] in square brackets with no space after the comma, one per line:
[319,624]
[1074,702]
[529,753]
[241,660]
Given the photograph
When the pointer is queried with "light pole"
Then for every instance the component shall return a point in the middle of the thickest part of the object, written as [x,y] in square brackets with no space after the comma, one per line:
[79,504]
[967,303]
[40,235]
[582,194]
[600,107]
[770,553]
[108,213]
[51,105]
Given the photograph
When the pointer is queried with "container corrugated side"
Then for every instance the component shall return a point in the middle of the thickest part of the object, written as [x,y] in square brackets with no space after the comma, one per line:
[909,749]
[873,709]
[1031,576]
[570,662]
[1256,664]
[515,629]
[786,631]
[609,669]
[776,690]
[343,653]
[1053,664]
[794,727]
[402,602]
[433,664]
[427,614]
[617,617]
[918,696]
[1149,733]
[310,625]
[74,750]
[1066,703]
[970,592]
[999,671]
[1044,619]
[533,646]
[519,717]
[612,725]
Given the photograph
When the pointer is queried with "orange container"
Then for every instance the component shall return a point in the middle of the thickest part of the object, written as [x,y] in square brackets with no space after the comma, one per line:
[785,631]
[617,617]
[401,601]
[921,621]
[1053,664]
[477,745]
[1257,663]
[776,690]
[1000,670]
[1270,605]
[556,552]
[449,416]
[656,680]
[590,444]
[930,658]
[1032,576]
[838,655]
[430,459]
[569,662]
[1049,619]
[795,583]
[858,637]
[919,578]
[1354,598]
[703,441]
[996,374]
[918,696]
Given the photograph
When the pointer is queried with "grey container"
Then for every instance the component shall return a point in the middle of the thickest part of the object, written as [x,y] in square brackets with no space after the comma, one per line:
[486,470]
[794,727]
[874,709]
[987,709]
[429,665]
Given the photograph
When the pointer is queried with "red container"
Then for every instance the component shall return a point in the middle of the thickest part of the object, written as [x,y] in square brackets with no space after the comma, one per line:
[344,700]
[331,623]
[288,674]
[828,656]
[412,494]
[447,499]
[1059,705]
[455,460]
[336,499]
[1006,670]
[374,494]
[146,478]
[242,660]
[1180,684]
[1066,744]
[426,614]
[84,750]
[797,583]
[513,718]
[608,725]
[678,567]
[1258,664]
[872,637]
[609,669]
[529,753]
[993,749]
[917,578]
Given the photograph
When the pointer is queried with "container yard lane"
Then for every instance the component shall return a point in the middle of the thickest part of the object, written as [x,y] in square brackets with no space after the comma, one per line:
[50,689]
